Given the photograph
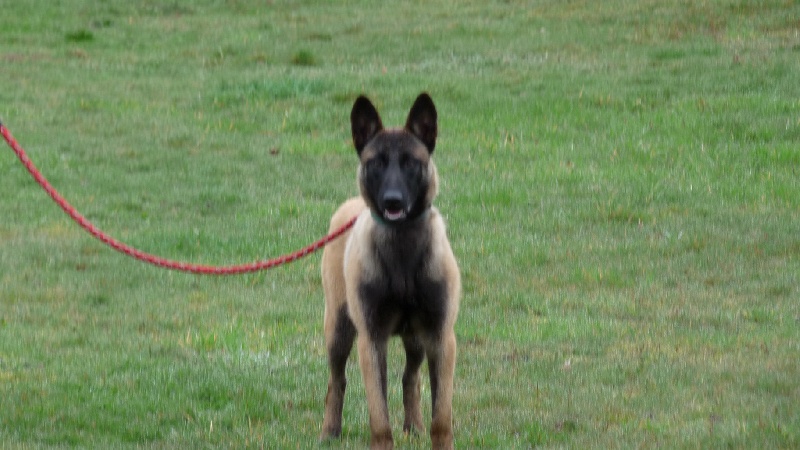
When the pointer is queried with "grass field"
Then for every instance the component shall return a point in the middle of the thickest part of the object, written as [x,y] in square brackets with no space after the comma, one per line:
[620,182]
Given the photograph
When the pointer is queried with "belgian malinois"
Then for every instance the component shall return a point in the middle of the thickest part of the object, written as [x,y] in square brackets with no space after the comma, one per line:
[394,273]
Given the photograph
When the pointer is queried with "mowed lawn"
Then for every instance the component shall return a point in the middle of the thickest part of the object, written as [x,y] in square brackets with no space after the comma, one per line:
[619,179]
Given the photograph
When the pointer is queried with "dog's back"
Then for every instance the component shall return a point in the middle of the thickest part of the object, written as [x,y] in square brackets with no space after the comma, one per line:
[333,255]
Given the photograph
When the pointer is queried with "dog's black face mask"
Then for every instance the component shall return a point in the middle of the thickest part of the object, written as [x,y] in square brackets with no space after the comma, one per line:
[395,180]
[395,177]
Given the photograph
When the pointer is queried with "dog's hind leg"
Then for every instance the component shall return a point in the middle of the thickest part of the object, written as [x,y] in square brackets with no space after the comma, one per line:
[340,334]
[442,362]
[415,354]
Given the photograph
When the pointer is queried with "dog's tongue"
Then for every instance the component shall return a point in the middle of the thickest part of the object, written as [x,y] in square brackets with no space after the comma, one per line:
[394,214]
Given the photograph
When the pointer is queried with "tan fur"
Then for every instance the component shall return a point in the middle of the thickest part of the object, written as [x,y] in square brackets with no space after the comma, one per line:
[333,261]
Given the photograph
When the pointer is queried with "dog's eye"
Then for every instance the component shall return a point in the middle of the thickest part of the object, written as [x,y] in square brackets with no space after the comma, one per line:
[377,163]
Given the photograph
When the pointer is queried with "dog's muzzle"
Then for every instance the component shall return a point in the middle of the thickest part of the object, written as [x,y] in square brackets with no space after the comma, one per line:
[394,207]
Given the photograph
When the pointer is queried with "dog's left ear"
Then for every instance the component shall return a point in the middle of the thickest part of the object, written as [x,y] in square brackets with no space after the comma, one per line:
[421,121]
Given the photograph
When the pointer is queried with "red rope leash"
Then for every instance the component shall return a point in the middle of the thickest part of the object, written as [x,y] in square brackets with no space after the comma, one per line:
[152,259]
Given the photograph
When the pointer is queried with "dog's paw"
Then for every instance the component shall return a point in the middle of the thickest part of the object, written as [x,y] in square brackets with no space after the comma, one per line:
[381,441]
[329,434]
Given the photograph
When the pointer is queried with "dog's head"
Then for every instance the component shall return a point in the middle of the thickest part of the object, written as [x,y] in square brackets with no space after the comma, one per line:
[396,176]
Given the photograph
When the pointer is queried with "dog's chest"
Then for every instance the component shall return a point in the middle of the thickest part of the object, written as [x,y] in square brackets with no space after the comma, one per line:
[403,291]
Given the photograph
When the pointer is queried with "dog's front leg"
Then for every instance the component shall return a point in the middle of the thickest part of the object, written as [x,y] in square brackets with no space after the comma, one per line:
[442,363]
[415,355]
[372,359]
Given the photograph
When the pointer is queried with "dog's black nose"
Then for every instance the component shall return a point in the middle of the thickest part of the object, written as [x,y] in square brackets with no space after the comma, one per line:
[393,200]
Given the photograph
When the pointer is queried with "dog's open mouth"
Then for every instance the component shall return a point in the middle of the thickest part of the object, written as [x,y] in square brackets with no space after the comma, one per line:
[394,214]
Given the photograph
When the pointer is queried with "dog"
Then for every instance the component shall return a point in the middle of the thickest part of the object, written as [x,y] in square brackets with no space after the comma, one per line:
[393,274]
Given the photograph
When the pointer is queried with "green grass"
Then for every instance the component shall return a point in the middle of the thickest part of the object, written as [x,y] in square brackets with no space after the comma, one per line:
[620,182]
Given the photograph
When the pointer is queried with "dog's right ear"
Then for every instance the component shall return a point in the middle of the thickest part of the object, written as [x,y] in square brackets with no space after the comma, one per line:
[365,122]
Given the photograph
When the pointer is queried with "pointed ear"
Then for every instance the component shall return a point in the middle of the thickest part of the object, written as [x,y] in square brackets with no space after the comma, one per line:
[421,121]
[365,122]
